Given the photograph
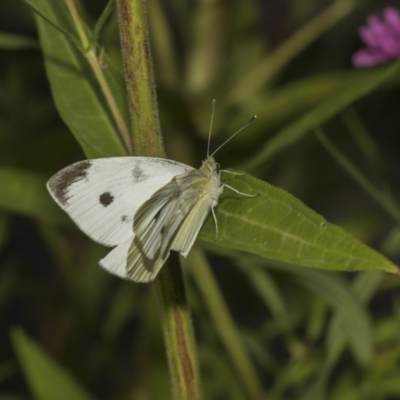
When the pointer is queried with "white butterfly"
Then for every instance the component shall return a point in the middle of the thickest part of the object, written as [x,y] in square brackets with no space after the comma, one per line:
[143,206]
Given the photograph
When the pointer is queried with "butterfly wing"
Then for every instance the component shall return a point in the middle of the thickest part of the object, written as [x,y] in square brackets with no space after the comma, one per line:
[103,195]
[140,259]
[207,199]
[188,231]
[159,220]
[161,223]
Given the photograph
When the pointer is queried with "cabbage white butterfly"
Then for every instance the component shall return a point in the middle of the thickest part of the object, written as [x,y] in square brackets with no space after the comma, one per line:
[144,207]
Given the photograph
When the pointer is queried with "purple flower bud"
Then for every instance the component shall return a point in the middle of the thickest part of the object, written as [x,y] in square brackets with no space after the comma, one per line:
[382,39]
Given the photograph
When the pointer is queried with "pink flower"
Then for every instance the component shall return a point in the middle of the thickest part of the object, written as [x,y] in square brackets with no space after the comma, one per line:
[382,39]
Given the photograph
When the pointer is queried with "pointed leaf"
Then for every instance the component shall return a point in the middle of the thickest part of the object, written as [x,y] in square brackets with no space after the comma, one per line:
[25,193]
[363,84]
[276,225]
[47,380]
[8,41]
[354,321]
[363,287]
[287,101]
[77,94]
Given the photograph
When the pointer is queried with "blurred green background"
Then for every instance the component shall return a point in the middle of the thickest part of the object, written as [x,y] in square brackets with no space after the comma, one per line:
[289,63]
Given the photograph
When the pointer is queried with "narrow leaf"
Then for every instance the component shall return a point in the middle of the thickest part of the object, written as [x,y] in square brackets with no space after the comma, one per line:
[77,94]
[288,101]
[9,41]
[276,225]
[355,324]
[25,193]
[225,325]
[267,68]
[364,287]
[382,199]
[47,380]
[265,286]
[365,83]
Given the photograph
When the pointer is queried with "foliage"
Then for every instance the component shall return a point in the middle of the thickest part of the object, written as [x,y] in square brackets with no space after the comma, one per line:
[326,142]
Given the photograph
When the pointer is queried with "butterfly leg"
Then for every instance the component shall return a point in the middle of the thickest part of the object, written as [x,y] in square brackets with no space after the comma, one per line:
[215,221]
[230,187]
[232,173]
[237,191]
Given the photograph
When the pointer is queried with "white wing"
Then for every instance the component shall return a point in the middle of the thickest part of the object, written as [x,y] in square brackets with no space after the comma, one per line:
[170,219]
[185,237]
[119,262]
[103,195]
[156,223]
[141,259]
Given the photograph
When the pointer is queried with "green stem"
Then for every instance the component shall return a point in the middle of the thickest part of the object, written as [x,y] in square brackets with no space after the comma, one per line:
[383,200]
[174,310]
[225,325]
[96,66]
[101,21]
[178,332]
[139,77]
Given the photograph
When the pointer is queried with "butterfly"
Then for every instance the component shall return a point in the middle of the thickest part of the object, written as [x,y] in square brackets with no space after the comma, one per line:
[144,207]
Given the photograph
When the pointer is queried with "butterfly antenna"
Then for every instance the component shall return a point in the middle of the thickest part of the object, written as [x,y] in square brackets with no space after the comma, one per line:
[211,124]
[252,119]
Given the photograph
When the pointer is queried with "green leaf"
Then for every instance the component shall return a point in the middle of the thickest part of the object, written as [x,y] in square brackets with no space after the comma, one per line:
[388,386]
[265,286]
[276,225]
[47,380]
[9,41]
[384,200]
[25,193]
[77,94]
[285,102]
[224,324]
[269,66]
[365,83]
[355,324]
[363,287]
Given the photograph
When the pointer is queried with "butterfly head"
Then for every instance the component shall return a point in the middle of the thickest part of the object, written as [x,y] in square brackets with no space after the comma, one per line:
[210,164]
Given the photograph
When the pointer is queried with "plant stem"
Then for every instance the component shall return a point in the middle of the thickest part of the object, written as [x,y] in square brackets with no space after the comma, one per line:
[178,332]
[142,98]
[174,310]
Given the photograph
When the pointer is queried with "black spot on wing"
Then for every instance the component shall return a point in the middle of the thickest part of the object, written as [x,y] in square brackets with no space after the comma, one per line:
[60,182]
[138,174]
[106,199]
[124,218]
